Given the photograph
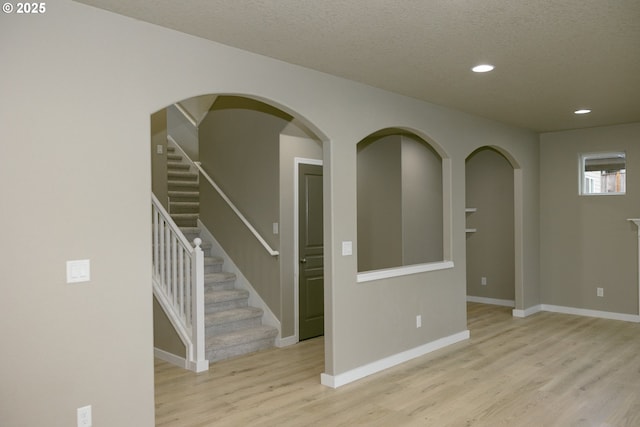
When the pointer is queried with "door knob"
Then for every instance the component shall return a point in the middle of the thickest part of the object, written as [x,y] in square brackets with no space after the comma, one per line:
[303,260]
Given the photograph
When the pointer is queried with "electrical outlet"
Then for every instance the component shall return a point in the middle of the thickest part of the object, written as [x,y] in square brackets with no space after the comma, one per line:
[84,416]
[600,292]
[418,321]
[159,149]
[483,281]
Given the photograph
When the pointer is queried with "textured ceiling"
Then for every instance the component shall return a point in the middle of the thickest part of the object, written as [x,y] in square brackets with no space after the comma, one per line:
[551,56]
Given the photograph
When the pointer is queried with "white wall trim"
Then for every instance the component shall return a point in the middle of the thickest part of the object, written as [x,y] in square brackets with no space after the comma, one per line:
[527,312]
[268,318]
[335,381]
[386,273]
[178,361]
[493,301]
[591,313]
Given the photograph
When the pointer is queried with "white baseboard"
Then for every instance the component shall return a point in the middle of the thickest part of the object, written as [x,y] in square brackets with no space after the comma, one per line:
[286,341]
[493,301]
[178,361]
[527,312]
[591,313]
[335,381]
[577,312]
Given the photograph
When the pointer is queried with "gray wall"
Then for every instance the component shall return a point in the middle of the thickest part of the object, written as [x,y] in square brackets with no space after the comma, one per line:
[586,241]
[183,132]
[380,203]
[422,226]
[239,149]
[159,161]
[164,334]
[91,175]
[490,250]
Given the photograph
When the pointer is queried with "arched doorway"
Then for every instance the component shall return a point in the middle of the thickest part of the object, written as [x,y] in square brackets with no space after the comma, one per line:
[247,147]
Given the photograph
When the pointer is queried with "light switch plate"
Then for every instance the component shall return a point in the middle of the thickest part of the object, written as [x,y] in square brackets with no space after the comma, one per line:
[347,248]
[78,271]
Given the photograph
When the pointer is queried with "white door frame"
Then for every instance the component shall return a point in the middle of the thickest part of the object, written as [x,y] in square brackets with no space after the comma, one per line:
[297,161]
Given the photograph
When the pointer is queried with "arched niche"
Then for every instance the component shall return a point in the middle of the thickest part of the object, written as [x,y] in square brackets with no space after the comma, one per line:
[494,226]
[403,187]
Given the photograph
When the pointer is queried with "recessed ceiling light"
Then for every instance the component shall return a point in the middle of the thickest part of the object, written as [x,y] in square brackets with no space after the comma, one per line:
[583,111]
[482,68]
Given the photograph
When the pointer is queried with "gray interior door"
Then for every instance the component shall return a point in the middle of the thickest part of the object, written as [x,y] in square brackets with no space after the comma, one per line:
[311,272]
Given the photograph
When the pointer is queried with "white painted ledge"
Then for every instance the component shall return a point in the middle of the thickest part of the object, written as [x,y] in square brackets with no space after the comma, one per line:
[335,381]
[386,273]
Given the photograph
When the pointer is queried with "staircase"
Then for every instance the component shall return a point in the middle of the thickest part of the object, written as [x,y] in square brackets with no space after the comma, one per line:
[232,327]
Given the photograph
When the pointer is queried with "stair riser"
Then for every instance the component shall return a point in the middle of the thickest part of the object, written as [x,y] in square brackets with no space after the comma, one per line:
[213,268]
[175,166]
[217,329]
[185,222]
[226,305]
[238,350]
[182,186]
[184,208]
[181,177]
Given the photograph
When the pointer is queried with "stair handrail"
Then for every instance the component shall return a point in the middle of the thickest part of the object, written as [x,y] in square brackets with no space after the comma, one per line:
[187,115]
[178,283]
[233,207]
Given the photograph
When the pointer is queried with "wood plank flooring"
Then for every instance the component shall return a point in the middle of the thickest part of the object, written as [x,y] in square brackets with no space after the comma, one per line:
[546,370]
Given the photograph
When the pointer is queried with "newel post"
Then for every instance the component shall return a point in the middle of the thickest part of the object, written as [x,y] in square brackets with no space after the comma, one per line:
[197,301]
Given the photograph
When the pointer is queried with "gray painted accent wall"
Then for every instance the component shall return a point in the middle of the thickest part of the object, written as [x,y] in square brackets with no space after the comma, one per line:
[586,241]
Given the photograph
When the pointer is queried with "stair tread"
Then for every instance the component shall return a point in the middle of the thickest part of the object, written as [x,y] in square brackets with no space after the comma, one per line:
[221,276]
[232,315]
[213,296]
[242,336]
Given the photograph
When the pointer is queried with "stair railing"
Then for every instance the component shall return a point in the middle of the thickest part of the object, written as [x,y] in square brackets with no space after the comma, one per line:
[178,283]
[233,207]
[224,197]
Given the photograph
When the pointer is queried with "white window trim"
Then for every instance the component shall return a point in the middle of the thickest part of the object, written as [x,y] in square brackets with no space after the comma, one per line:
[581,165]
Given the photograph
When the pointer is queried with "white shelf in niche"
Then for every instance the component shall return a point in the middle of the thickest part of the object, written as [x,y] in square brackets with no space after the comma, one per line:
[470,210]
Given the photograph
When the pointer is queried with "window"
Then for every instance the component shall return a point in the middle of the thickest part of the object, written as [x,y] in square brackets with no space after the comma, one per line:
[603,173]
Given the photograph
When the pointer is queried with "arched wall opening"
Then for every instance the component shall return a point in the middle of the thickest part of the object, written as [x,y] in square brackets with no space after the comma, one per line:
[403,189]
[250,148]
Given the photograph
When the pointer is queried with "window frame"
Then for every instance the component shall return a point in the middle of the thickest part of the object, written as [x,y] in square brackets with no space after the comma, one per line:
[583,186]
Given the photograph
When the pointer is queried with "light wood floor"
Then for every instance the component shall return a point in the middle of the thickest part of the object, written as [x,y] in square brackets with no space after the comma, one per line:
[545,370]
